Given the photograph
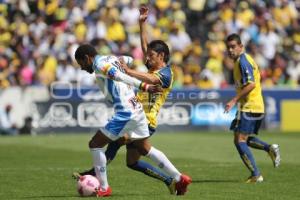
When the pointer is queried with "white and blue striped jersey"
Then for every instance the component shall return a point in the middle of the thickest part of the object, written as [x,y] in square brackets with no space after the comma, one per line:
[121,95]
[118,88]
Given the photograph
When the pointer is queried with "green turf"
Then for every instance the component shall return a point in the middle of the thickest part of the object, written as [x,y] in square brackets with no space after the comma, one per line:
[40,168]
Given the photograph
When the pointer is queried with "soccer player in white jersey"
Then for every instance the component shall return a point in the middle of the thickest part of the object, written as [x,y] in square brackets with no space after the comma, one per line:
[129,116]
[156,56]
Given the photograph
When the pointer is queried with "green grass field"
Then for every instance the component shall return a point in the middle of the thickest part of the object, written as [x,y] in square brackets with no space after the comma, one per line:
[40,168]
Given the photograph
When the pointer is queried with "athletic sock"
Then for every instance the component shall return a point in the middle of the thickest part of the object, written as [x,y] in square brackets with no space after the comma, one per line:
[100,166]
[151,171]
[256,143]
[247,158]
[163,162]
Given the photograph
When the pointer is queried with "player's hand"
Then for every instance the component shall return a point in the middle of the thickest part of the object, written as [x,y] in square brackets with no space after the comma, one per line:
[230,105]
[143,13]
[154,88]
[150,88]
[123,64]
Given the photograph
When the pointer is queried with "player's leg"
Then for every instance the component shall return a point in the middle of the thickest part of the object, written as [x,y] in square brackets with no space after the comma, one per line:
[110,153]
[243,126]
[240,141]
[145,148]
[96,145]
[138,131]
[255,142]
[272,150]
[182,181]
[113,147]
[133,162]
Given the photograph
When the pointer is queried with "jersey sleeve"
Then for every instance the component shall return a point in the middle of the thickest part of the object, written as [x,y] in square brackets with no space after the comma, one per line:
[112,71]
[128,60]
[165,77]
[246,70]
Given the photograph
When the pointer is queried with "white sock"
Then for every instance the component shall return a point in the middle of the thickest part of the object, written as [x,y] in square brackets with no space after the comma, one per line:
[99,159]
[163,162]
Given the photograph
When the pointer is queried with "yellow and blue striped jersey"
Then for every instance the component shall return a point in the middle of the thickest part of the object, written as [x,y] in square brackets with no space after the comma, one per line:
[153,102]
[246,71]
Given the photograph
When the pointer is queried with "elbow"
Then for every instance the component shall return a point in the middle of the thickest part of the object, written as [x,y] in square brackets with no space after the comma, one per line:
[252,85]
[157,82]
[154,81]
[249,86]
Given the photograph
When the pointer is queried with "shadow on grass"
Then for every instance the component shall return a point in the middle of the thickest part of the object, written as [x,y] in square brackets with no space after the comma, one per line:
[76,196]
[50,197]
[215,181]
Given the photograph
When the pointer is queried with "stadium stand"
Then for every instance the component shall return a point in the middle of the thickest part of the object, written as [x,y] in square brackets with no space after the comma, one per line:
[38,38]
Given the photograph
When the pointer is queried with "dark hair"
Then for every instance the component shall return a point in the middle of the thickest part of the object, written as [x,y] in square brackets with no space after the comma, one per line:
[234,37]
[160,46]
[85,49]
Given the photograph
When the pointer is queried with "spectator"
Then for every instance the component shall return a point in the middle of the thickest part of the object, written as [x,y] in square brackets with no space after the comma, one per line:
[6,125]
[269,40]
[178,38]
[33,35]
[65,72]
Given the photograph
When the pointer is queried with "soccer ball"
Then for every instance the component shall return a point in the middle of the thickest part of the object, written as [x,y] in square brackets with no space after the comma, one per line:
[87,185]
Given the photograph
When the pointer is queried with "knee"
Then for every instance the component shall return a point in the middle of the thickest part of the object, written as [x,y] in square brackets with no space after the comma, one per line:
[240,138]
[143,151]
[249,139]
[93,144]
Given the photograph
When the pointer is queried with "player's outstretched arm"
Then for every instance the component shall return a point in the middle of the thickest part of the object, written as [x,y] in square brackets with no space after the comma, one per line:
[112,72]
[141,85]
[145,77]
[142,21]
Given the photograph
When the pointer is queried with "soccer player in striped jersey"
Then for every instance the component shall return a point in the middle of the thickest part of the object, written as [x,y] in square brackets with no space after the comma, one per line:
[250,109]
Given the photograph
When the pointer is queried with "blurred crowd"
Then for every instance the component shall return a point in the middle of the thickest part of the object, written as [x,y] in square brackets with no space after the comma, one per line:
[38,38]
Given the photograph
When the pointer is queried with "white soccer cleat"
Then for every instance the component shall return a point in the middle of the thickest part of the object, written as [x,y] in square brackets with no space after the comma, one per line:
[172,187]
[255,179]
[275,154]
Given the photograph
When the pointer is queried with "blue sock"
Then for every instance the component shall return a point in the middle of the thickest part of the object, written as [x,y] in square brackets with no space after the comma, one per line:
[256,143]
[247,158]
[111,150]
[151,171]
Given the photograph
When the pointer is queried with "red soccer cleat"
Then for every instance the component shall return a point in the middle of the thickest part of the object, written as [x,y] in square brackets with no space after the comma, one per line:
[181,186]
[103,193]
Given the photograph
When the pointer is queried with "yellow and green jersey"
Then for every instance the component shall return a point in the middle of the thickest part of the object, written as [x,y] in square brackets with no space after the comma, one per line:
[153,102]
[246,71]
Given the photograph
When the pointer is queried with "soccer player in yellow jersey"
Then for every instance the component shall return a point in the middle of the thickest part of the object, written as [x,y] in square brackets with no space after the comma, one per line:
[250,105]
[156,57]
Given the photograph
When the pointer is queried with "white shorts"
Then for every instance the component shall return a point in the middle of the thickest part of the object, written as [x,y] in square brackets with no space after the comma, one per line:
[134,124]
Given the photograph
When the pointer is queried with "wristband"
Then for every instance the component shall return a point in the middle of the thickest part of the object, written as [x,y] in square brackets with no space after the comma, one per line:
[144,86]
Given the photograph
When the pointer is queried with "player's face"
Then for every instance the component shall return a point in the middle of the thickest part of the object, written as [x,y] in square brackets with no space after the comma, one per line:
[234,49]
[86,64]
[153,59]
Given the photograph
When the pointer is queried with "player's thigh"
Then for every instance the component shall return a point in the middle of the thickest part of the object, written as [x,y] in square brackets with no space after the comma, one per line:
[246,124]
[99,140]
[124,140]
